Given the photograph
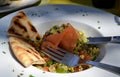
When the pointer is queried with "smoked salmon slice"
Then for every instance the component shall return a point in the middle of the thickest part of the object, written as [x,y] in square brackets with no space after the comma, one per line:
[52,40]
[67,39]
[70,38]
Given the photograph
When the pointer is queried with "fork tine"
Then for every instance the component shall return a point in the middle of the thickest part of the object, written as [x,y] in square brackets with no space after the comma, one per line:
[61,53]
[62,50]
[56,54]
[57,51]
[51,56]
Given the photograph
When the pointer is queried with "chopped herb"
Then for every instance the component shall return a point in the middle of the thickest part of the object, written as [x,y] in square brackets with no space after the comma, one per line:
[39,15]
[31,75]
[56,8]
[77,11]
[3,43]
[32,15]
[18,75]
[98,21]
[44,72]
[99,27]
[47,12]
[21,74]
[49,62]
[13,70]
[83,15]
[118,24]
[86,14]
[3,52]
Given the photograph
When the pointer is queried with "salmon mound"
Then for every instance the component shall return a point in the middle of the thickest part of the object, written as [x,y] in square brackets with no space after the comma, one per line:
[67,39]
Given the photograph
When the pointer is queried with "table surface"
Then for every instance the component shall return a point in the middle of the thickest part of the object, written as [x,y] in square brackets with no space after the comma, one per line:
[113,10]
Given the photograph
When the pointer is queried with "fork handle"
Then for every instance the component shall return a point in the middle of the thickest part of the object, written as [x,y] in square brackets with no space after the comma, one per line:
[111,68]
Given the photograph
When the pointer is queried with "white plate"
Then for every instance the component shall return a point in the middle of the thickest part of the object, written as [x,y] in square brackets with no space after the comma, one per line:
[93,21]
[17,5]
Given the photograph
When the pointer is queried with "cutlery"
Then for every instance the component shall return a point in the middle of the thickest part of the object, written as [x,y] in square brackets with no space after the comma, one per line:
[69,59]
[102,40]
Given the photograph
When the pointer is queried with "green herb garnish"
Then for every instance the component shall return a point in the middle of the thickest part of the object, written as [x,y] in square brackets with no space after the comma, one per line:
[3,52]
[31,75]
[99,27]
[98,21]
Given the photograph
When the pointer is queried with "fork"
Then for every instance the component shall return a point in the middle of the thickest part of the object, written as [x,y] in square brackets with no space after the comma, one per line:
[70,59]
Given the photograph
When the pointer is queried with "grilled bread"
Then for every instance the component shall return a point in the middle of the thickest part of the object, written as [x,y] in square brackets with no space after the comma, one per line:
[21,26]
[24,52]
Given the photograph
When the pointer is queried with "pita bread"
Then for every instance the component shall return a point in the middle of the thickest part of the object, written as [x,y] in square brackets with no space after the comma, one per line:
[24,52]
[21,26]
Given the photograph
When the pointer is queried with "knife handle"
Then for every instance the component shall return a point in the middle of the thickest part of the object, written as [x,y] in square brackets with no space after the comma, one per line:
[111,68]
[115,39]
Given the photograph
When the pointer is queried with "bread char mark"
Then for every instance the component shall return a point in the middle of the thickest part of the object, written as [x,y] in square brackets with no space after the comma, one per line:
[38,37]
[23,53]
[33,53]
[17,23]
[32,27]
[22,15]
[20,22]
[12,31]
[29,51]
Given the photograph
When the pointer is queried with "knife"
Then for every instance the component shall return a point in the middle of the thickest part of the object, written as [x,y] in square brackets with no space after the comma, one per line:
[103,40]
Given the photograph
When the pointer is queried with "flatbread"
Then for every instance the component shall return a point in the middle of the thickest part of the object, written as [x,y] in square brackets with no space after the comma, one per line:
[21,26]
[24,52]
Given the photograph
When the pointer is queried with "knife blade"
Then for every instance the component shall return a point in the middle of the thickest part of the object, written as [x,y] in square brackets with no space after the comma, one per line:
[103,40]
